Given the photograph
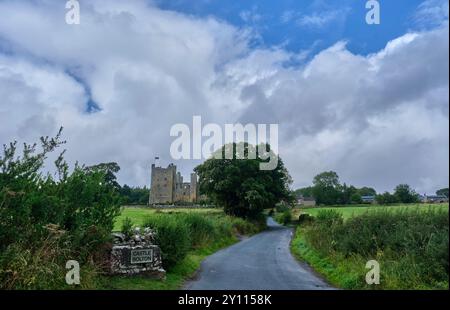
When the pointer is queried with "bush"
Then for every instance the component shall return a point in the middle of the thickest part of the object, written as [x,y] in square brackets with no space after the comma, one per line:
[305,218]
[244,227]
[282,207]
[201,229]
[25,267]
[172,235]
[78,206]
[329,218]
[412,245]
[127,227]
[284,217]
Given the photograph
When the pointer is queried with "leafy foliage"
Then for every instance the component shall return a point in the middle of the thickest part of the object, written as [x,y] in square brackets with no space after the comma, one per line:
[367,191]
[75,210]
[406,194]
[127,227]
[239,186]
[134,195]
[284,217]
[386,198]
[443,192]
[172,236]
[411,245]
[305,192]
[326,188]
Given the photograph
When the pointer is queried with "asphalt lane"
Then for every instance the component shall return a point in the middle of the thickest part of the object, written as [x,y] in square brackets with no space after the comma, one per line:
[261,262]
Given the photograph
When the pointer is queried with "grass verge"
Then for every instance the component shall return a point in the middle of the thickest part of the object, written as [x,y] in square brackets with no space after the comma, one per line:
[339,272]
[411,247]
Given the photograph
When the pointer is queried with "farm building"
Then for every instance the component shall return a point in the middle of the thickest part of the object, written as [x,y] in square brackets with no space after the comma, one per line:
[368,199]
[306,201]
[433,198]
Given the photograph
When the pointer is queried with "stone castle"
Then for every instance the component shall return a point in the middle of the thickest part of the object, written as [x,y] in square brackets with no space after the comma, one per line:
[167,186]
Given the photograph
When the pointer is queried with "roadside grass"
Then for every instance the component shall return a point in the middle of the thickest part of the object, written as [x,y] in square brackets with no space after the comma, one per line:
[139,214]
[410,245]
[338,271]
[208,230]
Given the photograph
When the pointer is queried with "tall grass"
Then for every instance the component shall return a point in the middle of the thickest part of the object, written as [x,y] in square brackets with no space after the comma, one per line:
[410,245]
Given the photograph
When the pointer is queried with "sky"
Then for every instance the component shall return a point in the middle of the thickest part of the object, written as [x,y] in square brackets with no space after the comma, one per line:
[367,101]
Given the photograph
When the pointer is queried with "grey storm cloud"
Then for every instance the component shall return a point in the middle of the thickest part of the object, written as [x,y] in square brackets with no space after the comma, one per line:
[378,119]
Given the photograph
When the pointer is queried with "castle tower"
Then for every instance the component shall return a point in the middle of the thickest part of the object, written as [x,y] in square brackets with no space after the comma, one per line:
[163,184]
[194,188]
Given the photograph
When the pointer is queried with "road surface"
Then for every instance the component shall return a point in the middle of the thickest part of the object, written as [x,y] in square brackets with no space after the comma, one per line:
[262,262]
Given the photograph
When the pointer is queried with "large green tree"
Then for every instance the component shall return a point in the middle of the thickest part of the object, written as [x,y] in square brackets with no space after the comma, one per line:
[367,191]
[406,194]
[239,185]
[349,194]
[443,191]
[386,198]
[134,195]
[326,188]
[305,192]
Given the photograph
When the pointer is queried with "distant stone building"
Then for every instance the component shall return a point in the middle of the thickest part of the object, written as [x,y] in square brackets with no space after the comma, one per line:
[306,201]
[167,186]
[368,199]
[433,198]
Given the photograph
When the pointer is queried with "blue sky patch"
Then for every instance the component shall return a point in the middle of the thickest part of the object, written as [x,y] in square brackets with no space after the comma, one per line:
[302,25]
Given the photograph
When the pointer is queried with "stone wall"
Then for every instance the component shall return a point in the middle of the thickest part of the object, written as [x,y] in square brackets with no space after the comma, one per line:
[136,254]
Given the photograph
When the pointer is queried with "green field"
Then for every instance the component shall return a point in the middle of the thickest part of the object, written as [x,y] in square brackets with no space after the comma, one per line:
[348,212]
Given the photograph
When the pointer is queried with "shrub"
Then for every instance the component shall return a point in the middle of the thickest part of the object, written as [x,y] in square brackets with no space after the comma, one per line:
[329,218]
[201,229]
[127,227]
[282,207]
[305,218]
[79,206]
[172,235]
[36,267]
[412,245]
[243,227]
[284,217]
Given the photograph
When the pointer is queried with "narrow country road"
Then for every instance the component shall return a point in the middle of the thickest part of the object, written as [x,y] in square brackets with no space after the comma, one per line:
[262,262]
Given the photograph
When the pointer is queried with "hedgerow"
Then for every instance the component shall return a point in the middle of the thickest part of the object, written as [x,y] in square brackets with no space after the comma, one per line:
[47,219]
[412,246]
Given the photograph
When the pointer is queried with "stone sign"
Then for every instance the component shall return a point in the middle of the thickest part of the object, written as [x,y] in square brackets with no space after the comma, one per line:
[136,255]
[141,256]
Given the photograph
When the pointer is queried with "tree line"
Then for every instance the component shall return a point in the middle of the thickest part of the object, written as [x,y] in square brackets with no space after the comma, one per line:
[328,190]
[129,195]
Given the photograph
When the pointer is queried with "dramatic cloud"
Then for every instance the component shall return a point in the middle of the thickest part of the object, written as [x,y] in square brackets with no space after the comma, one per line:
[118,81]
[432,13]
